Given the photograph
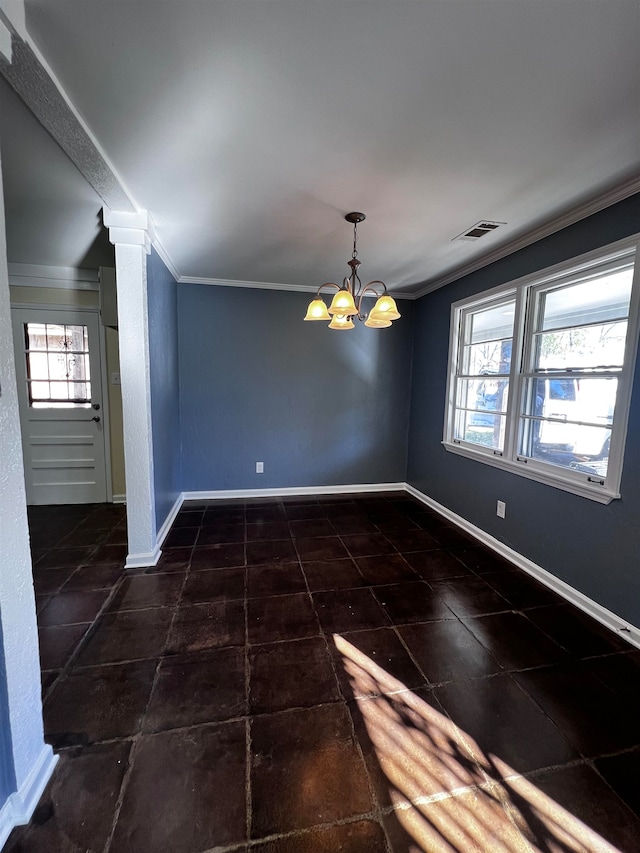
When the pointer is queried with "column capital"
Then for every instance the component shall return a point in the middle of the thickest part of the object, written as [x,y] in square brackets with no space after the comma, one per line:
[129,229]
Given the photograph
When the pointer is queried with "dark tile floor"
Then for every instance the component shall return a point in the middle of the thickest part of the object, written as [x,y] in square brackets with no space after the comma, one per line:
[315,675]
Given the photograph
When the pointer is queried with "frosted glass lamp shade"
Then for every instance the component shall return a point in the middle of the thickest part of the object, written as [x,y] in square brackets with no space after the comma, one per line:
[342,303]
[317,310]
[377,324]
[341,322]
[385,309]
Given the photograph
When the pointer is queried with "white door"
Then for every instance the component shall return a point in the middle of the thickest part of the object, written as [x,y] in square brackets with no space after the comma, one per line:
[59,374]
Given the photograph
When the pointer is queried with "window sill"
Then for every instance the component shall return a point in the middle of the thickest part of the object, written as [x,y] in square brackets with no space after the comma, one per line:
[584,490]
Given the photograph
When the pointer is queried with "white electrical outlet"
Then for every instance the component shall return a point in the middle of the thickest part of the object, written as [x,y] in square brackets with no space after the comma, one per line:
[259,467]
[501,509]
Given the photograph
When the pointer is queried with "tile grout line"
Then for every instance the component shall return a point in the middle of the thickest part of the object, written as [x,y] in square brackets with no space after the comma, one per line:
[135,740]
[378,812]
[374,799]
[84,640]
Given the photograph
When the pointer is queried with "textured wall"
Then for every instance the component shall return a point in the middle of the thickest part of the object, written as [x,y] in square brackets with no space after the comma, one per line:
[7,773]
[590,546]
[165,402]
[318,407]
[21,735]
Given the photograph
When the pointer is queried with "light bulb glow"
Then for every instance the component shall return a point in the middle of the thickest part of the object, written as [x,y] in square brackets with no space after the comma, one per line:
[341,322]
[317,310]
[342,303]
[385,309]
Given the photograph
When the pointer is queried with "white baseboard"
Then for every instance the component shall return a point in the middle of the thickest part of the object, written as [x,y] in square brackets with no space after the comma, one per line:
[296,490]
[150,558]
[143,560]
[120,499]
[615,623]
[171,517]
[20,806]
[619,626]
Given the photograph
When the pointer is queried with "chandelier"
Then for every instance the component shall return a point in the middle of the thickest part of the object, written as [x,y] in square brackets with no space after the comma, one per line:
[347,301]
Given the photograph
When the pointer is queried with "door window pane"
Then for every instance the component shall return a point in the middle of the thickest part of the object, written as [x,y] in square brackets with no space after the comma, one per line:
[58,373]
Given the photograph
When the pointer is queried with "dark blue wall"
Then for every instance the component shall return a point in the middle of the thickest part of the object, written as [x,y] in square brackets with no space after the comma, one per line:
[317,406]
[164,377]
[594,548]
[7,774]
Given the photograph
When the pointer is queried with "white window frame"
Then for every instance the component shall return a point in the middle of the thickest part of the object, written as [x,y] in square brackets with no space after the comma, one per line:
[578,483]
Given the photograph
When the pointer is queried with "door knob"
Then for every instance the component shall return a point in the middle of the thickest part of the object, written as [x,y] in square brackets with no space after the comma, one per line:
[96,419]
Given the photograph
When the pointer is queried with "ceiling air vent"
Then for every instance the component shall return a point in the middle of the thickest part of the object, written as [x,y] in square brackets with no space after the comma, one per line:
[478,230]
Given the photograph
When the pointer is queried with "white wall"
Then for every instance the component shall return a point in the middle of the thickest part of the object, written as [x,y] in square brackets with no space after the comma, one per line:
[33,760]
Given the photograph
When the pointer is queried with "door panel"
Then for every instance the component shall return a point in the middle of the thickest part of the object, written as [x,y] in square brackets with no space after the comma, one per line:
[59,374]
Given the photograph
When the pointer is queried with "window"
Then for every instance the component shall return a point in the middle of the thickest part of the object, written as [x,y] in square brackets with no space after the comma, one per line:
[58,374]
[540,373]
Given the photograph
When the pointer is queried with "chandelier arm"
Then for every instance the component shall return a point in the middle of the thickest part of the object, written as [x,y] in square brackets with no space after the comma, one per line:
[365,289]
[328,284]
[376,281]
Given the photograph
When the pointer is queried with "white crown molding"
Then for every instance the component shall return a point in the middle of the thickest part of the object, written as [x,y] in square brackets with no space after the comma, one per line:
[65,278]
[610,620]
[164,256]
[575,214]
[260,285]
[268,285]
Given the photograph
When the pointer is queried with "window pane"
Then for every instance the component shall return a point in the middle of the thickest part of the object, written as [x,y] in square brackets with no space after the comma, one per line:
[491,323]
[55,336]
[572,446]
[486,394]
[490,357]
[48,404]
[598,300]
[36,335]
[584,348]
[38,368]
[39,390]
[489,433]
[588,400]
[57,365]
[59,390]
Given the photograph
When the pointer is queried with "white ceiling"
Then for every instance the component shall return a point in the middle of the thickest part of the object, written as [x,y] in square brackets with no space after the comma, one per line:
[248,128]
[53,216]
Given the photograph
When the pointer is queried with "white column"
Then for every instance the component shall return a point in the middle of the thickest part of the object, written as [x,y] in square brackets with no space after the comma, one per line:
[33,760]
[131,234]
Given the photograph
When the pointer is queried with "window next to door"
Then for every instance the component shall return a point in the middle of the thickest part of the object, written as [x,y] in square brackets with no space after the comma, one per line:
[540,373]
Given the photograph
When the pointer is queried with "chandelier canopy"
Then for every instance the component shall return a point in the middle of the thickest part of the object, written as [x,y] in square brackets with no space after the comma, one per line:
[347,301]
